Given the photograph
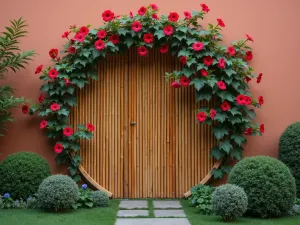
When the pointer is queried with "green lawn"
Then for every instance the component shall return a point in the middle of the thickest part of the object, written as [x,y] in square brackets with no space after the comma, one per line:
[198,219]
[95,216]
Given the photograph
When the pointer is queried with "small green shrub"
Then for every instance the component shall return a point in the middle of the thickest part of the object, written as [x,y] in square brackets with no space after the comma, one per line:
[289,151]
[268,183]
[85,198]
[57,192]
[22,173]
[100,199]
[229,201]
[201,198]
[32,203]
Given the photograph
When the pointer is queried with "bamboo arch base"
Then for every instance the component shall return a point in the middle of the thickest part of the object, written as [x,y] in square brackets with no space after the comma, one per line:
[186,195]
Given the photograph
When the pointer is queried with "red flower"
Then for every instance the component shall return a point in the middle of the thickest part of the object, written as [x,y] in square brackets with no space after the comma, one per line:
[204,8]
[58,148]
[185,81]
[25,109]
[114,39]
[183,59]
[99,45]
[154,16]
[243,100]
[187,15]
[54,107]
[131,15]
[148,38]
[79,37]
[173,17]
[72,41]
[84,30]
[154,7]
[53,53]
[72,50]
[259,78]
[136,26]
[142,50]
[220,22]
[262,128]
[65,34]
[248,100]
[142,11]
[43,124]
[164,49]
[168,30]
[175,84]
[248,131]
[53,73]
[260,100]
[249,55]
[108,15]
[247,79]
[38,69]
[204,72]
[249,37]
[68,131]
[221,63]
[101,34]
[231,50]
[198,46]
[212,113]
[208,60]
[225,106]
[41,98]
[67,82]
[221,85]
[201,116]
[90,127]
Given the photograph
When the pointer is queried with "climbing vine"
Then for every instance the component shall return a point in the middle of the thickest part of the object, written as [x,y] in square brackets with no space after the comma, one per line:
[216,71]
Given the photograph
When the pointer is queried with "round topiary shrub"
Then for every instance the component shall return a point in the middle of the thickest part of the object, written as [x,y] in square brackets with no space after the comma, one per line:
[268,183]
[100,198]
[289,151]
[22,173]
[57,192]
[229,201]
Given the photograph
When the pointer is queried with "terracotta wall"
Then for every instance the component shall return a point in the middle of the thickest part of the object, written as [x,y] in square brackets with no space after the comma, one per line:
[273,25]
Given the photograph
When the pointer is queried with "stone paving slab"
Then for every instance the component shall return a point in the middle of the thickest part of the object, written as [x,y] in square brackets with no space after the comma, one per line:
[166,204]
[132,213]
[153,221]
[133,204]
[169,213]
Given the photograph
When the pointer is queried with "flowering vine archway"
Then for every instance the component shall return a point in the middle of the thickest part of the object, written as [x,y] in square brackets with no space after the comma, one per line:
[213,69]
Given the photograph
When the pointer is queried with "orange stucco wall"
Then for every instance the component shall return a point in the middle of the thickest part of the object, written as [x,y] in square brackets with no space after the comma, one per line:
[274,25]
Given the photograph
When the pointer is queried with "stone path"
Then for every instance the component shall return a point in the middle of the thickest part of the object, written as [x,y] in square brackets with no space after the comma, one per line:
[166,212]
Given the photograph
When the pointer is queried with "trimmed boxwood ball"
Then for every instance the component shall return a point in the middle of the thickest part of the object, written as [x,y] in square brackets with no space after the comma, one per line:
[100,198]
[57,192]
[289,151]
[268,183]
[22,173]
[229,201]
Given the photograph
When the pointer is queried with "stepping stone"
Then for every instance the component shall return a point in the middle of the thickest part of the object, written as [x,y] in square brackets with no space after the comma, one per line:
[169,213]
[133,204]
[132,213]
[166,204]
[153,221]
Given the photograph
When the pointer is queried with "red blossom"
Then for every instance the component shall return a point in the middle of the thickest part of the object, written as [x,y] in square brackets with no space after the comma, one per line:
[53,73]
[175,84]
[184,81]
[168,30]
[204,8]
[262,128]
[131,15]
[90,127]
[142,50]
[221,63]
[154,7]
[84,30]
[79,37]
[243,99]
[108,15]
[142,11]
[65,34]
[212,113]
[247,79]
[25,109]
[148,38]
[249,37]
[67,81]
[58,148]
[68,131]
[164,49]
[154,16]
[248,131]
[260,100]
[114,39]
[38,69]
[173,17]
[72,50]
[53,53]
[101,34]
[201,117]
[41,98]
[204,72]
[249,55]
[136,26]
[221,85]
[99,45]
[220,22]
[231,50]
[198,46]
[183,60]
[54,107]
[72,41]
[43,124]
[225,106]
[187,15]
[259,78]
[208,60]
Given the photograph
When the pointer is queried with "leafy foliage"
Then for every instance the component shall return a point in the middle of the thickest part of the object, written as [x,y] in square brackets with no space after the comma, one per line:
[22,173]
[11,58]
[289,151]
[85,199]
[57,192]
[268,183]
[100,199]
[201,198]
[229,201]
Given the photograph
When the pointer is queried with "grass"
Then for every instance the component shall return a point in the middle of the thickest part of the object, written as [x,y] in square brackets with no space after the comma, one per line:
[198,219]
[95,216]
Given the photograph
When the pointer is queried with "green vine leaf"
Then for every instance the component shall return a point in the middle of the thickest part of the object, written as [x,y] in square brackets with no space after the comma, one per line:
[198,83]
[225,146]
[220,132]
